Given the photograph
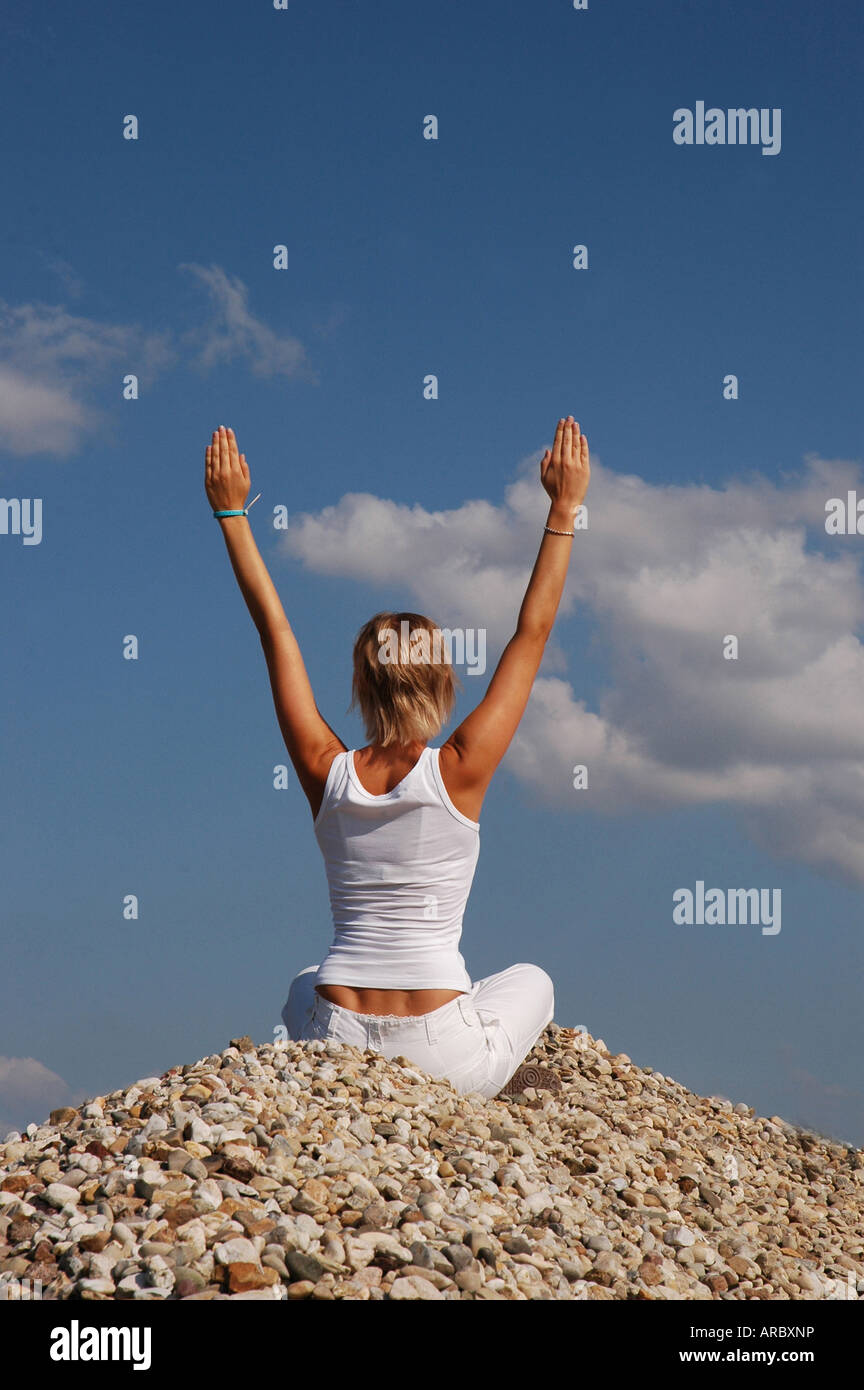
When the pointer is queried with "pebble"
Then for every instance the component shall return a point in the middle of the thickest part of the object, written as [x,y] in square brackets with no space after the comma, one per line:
[679,1236]
[413,1286]
[317,1171]
[58,1194]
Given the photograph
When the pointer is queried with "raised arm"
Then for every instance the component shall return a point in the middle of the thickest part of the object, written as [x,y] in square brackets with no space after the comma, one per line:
[474,750]
[310,741]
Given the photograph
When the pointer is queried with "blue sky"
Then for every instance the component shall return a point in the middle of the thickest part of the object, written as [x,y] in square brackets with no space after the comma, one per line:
[452,257]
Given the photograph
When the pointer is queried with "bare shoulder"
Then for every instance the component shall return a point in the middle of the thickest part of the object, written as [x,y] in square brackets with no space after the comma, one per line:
[461,788]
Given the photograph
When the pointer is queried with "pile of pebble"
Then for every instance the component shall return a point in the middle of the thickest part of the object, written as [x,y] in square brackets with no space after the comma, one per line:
[315,1170]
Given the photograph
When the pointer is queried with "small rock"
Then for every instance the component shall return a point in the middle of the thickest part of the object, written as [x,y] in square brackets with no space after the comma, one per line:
[679,1236]
[413,1287]
[57,1194]
[235,1251]
[303,1267]
[243,1277]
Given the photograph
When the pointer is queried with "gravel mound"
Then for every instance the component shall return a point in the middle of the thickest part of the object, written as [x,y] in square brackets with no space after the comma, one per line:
[315,1170]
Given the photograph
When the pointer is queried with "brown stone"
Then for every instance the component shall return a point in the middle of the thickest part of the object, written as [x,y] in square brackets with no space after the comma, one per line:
[96,1242]
[237,1167]
[716,1283]
[62,1116]
[181,1213]
[241,1277]
[229,1205]
[45,1271]
[649,1273]
[159,1150]
[20,1230]
[252,1223]
[197,1092]
[17,1182]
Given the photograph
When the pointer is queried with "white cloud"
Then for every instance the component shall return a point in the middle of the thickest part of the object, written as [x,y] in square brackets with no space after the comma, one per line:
[665,572]
[29,1091]
[49,362]
[36,417]
[53,363]
[234,331]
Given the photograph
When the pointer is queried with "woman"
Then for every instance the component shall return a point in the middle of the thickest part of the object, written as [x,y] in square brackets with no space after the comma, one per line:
[398,821]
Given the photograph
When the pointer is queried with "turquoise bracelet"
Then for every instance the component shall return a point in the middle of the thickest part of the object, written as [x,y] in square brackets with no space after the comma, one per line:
[243,511]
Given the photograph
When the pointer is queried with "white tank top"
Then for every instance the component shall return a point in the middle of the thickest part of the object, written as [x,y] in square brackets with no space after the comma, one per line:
[399,869]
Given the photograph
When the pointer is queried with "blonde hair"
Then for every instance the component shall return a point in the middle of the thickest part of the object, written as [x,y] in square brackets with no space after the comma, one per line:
[404,682]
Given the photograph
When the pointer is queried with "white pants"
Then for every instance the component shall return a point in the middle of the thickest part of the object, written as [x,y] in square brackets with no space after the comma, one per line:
[476,1041]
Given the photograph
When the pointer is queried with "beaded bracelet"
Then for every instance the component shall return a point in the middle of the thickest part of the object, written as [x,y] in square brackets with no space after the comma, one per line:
[553,532]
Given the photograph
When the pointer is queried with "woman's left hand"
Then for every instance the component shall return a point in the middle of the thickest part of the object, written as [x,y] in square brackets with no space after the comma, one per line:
[226,473]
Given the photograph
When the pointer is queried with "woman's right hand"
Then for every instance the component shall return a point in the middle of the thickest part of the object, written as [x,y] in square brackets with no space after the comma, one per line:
[565,469]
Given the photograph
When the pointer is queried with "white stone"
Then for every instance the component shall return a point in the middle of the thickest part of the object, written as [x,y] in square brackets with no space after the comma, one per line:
[679,1236]
[238,1250]
[58,1194]
[414,1286]
[96,1285]
[208,1194]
